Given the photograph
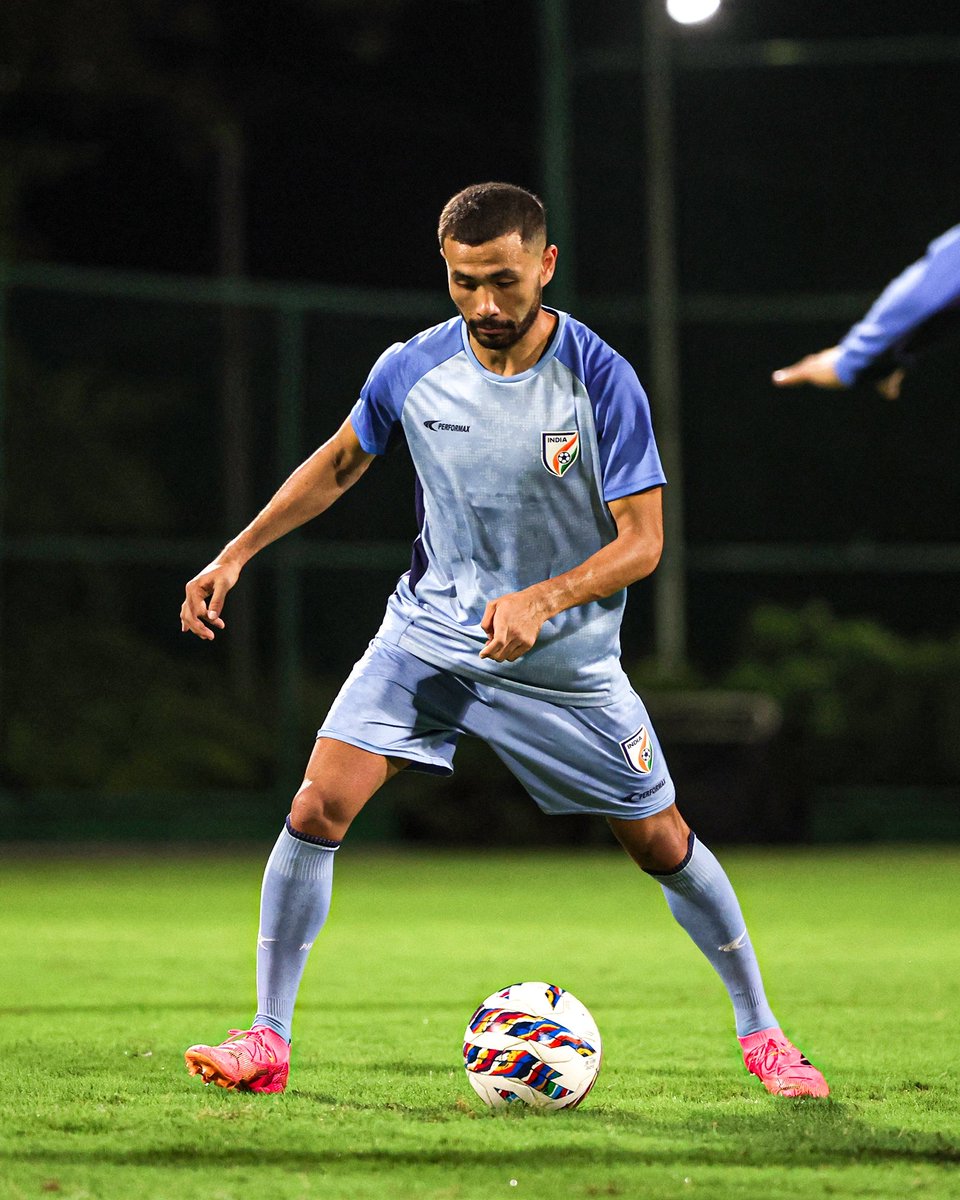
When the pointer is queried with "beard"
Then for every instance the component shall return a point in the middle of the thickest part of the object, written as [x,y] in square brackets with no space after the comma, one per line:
[501,335]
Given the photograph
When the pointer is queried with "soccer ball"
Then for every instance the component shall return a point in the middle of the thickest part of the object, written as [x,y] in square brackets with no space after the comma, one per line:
[532,1042]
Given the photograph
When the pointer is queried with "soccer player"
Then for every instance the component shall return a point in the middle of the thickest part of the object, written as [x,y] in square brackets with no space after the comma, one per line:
[538,494]
[917,308]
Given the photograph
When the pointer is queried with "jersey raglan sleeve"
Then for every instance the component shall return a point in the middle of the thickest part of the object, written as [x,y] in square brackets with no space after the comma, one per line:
[629,459]
[376,415]
[922,290]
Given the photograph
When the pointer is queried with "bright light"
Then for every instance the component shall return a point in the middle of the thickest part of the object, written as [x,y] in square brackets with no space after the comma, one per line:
[689,12]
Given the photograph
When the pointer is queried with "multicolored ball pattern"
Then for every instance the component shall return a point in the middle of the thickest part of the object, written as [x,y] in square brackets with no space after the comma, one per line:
[532,1043]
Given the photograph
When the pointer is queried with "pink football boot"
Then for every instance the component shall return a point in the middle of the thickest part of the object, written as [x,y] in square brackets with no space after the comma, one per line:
[251,1060]
[781,1067]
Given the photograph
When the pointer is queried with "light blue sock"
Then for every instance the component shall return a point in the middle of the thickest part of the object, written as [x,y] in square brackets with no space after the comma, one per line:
[294,902]
[703,901]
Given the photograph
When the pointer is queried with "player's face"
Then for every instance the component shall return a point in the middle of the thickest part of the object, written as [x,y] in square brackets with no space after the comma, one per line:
[498,286]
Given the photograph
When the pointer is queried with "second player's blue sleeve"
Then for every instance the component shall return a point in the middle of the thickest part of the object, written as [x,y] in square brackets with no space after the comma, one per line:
[376,414]
[629,459]
[923,289]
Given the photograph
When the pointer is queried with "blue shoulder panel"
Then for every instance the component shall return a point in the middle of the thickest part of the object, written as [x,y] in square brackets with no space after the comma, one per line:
[629,459]
[376,414]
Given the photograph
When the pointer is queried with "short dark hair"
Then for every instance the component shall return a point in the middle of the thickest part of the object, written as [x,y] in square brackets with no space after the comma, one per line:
[485,211]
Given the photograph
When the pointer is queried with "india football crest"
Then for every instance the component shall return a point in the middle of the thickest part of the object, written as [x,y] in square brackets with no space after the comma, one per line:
[638,751]
[559,451]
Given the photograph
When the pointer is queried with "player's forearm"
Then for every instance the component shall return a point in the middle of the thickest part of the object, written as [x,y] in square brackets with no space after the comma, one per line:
[618,564]
[309,491]
[924,288]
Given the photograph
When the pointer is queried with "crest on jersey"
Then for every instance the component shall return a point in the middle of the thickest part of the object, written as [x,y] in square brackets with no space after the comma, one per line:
[638,751]
[559,451]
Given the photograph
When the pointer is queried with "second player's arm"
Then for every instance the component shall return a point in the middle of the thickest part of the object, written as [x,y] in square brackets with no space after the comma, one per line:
[309,491]
[926,287]
[513,622]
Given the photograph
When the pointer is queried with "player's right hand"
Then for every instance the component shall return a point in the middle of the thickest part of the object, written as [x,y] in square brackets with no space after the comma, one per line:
[816,369]
[205,594]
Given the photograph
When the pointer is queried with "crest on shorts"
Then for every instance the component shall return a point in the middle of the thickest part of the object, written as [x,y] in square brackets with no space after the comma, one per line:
[559,451]
[638,751]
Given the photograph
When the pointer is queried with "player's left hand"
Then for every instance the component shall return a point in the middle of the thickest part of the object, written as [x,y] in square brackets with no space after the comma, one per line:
[512,624]
[889,387]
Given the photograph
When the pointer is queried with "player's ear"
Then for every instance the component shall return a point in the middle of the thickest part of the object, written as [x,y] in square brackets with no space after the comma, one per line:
[548,264]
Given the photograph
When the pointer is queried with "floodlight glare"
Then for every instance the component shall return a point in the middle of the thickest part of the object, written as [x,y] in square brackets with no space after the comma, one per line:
[689,12]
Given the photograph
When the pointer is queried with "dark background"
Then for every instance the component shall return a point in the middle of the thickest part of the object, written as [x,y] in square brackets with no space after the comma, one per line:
[345,126]
[360,119]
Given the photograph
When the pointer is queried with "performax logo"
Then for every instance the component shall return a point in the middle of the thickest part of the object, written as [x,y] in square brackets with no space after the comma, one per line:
[446,427]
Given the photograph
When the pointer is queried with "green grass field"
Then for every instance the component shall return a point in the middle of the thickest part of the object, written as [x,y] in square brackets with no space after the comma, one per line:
[112,966]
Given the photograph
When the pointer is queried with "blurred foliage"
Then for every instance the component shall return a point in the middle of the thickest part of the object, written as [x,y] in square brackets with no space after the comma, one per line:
[861,704]
[86,459]
[98,707]
[95,697]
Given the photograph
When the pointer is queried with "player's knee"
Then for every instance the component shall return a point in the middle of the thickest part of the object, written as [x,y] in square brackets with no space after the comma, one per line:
[657,843]
[323,811]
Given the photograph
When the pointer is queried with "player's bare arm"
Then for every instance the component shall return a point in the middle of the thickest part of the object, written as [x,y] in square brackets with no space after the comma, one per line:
[309,491]
[819,370]
[513,622]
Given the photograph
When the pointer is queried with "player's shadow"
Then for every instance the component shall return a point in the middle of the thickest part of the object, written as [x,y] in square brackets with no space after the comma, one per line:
[151,1007]
[743,1141]
[799,1133]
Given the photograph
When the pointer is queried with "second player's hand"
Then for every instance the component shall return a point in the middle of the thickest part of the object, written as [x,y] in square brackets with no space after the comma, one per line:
[816,369]
[889,387]
[205,594]
[512,624]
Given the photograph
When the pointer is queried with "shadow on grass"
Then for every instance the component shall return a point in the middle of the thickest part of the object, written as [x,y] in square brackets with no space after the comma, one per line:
[216,1009]
[794,1133]
[299,1160]
[220,1011]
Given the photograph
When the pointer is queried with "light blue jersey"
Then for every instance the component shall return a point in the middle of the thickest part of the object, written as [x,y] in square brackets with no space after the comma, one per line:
[514,475]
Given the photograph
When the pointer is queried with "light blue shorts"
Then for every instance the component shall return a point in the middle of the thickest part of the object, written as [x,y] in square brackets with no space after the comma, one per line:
[604,760]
